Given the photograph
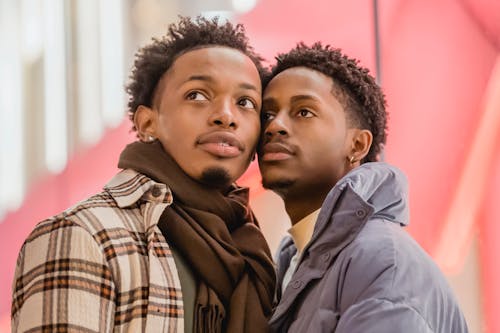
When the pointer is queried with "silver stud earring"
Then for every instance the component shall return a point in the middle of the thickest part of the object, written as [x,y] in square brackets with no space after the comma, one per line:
[148,138]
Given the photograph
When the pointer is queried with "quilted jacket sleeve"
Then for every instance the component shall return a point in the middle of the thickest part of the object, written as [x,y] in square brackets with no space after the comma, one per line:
[382,316]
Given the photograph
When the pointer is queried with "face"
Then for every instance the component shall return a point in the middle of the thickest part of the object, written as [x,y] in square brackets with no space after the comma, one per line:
[306,139]
[208,113]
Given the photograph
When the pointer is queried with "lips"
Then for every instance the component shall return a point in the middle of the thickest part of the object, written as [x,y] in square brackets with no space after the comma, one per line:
[276,151]
[221,144]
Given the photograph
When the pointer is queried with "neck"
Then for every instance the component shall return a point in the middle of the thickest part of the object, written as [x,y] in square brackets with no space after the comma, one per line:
[298,207]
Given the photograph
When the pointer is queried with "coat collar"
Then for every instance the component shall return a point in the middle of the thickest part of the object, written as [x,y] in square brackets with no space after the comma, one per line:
[128,187]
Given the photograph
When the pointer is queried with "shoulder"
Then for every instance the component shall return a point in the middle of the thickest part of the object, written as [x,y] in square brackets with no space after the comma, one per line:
[118,205]
[374,248]
[96,214]
[387,244]
[86,222]
[385,262]
[371,263]
[66,235]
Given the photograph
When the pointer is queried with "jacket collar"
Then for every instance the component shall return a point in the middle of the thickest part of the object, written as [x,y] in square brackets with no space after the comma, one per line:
[372,190]
[128,187]
[381,185]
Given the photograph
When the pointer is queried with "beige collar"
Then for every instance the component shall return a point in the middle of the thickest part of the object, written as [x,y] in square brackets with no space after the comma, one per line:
[302,231]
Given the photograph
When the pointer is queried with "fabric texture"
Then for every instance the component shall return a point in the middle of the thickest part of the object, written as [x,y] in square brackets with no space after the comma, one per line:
[218,236]
[101,266]
[361,271]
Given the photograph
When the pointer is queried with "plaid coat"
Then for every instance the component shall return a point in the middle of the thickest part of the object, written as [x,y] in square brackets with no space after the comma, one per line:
[101,266]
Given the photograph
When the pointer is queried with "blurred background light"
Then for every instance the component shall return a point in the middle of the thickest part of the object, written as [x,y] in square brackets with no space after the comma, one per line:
[64,65]
[12,184]
[32,29]
[112,76]
[243,6]
[89,70]
[56,148]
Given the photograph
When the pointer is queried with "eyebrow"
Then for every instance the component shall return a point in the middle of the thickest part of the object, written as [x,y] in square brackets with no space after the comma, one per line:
[269,101]
[298,98]
[208,78]
[293,99]
[248,86]
[199,78]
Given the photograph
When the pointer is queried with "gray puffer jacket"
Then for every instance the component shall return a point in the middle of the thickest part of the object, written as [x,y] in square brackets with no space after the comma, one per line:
[361,271]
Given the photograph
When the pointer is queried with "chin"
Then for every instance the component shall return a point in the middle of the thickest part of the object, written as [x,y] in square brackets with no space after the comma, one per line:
[217,177]
[279,185]
[273,177]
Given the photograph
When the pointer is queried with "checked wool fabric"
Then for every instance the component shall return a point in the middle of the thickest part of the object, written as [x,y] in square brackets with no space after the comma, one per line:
[101,266]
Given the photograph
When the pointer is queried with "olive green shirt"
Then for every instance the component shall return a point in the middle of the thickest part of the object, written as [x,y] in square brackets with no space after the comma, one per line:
[188,288]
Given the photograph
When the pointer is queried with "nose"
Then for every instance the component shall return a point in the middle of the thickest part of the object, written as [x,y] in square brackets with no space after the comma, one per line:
[276,127]
[224,115]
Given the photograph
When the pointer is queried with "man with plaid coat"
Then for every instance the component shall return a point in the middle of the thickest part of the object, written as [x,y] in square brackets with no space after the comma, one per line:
[170,244]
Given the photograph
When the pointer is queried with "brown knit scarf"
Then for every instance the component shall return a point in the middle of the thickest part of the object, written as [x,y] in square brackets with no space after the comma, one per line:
[219,238]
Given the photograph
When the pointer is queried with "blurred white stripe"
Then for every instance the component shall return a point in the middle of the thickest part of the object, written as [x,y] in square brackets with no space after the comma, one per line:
[112,69]
[12,182]
[56,146]
[88,68]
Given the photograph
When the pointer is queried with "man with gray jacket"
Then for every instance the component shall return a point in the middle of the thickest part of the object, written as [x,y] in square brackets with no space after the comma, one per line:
[349,265]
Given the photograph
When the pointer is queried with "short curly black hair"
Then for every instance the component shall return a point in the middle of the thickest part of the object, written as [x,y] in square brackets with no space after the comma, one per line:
[153,60]
[355,88]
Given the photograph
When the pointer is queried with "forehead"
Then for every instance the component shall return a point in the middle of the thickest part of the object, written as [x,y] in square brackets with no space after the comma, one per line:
[300,81]
[215,61]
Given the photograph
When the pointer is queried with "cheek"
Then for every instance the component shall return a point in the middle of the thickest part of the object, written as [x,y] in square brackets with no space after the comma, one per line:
[165,128]
[326,153]
[252,134]
[177,130]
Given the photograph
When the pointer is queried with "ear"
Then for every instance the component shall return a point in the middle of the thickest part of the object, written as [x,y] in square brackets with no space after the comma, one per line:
[361,141]
[145,121]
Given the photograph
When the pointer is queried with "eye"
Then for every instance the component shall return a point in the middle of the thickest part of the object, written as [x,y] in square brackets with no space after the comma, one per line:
[267,116]
[196,96]
[247,103]
[304,113]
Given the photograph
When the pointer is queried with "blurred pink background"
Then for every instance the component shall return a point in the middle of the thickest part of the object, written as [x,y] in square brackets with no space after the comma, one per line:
[440,70]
